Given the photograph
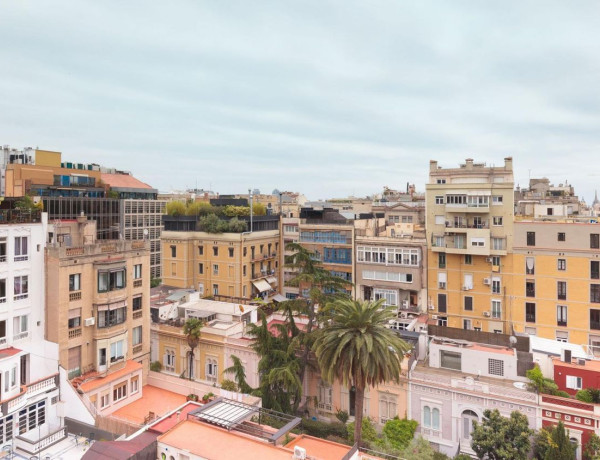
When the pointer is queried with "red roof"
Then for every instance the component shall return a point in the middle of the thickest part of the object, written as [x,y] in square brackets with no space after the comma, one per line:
[123,181]
[7,352]
[169,422]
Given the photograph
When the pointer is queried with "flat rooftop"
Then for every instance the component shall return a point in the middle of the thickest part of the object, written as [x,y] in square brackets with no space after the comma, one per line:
[153,399]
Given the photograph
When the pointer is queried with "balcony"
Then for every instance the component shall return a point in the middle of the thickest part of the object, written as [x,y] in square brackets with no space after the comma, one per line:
[561,323]
[530,292]
[42,386]
[74,296]
[529,318]
[38,439]
[75,332]
[324,407]
[261,256]
[21,296]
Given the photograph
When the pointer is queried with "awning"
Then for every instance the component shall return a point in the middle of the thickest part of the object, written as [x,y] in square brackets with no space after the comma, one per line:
[262,285]
[271,280]
[279,298]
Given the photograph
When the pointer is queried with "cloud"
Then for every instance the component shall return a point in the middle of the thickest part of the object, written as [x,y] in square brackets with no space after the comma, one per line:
[324,97]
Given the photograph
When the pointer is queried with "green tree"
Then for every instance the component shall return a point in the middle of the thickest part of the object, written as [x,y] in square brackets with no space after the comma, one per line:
[399,432]
[369,434]
[175,208]
[560,447]
[541,443]
[589,395]
[501,438]
[199,208]
[239,374]
[259,209]
[592,448]
[356,347]
[418,449]
[191,329]
[541,384]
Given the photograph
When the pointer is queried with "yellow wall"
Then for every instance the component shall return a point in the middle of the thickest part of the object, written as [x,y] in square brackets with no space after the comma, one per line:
[47,158]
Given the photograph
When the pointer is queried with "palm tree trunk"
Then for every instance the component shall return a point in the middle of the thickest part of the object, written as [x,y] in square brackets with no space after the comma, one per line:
[358,413]
[191,363]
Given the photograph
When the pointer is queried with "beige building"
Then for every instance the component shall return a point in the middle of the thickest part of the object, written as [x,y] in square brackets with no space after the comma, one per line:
[97,300]
[470,235]
[242,264]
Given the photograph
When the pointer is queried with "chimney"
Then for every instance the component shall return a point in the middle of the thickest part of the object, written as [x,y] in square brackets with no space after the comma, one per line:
[508,163]
[433,165]
[469,163]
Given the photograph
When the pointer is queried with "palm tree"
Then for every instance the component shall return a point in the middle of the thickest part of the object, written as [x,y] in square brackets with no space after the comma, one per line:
[191,329]
[357,348]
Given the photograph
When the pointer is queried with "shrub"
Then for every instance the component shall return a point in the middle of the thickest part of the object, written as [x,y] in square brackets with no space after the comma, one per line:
[589,395]
[155,282]
[324,430]
[342,416]
[235,211]
[156,366]
[228,385]
[369,434]
[458,457]
[237,226]
[199,208]
[399,433]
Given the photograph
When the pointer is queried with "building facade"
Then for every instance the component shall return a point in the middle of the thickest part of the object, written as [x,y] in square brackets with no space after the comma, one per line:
[469,235]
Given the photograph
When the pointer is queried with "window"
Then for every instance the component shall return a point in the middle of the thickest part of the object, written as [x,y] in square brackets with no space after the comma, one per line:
[498,244]
[450,360]
[467,324]
[561,236]
[496,309]
[496,285]
[497,199]
[211,368]
[468,417]
[468,282]
[116,351]
[215,289]
[74,318]
[562,264]
[20,326]
[530,266]
[173,251]
[390,296]
[497,221]
[439,199]
[21,287]
[530,238]
[325,396]
[135,385]
[442,321]
[496,261]
[215,250]
[137,335]
[388,407]
[169,360]
[111,315]
[104,400]
[137,271]
[2,290]
[561,290]
[111,280]
[530,288]
[230,252]
[442,303]
[215,269]
[594,241]
[431,418]
[75,282]
[244,270]
[136,303]
[496,367]
[595,293]
[530,312]
[120,392]
[595,319]
[468,259]
[441,260]
[20,248]
[574,383]
[200,250]
[442,279]
[561,315]
[469,303]
[478,242]
[595,269]
[201,268]
[387,276]
[441,181]
[439,242]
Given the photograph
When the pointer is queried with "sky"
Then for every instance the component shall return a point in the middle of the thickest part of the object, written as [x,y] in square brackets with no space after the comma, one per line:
[328,98]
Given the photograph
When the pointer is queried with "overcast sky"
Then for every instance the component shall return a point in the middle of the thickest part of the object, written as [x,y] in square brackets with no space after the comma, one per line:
[326,98]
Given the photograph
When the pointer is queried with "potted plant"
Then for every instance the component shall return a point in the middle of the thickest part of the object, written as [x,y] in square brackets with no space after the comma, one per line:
[207,397]
[192,397]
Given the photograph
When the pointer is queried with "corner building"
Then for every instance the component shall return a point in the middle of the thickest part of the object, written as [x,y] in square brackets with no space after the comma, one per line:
[469,227]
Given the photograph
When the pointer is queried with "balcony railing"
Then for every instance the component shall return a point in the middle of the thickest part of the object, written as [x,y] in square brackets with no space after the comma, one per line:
[3,258]
[561,323]
[137,349]
[325,407]
[21,258]
[76,332]
[22,335]
[530,318]
[137,283]
[41,386]
[74,296]
[21,296]
[530,292]
[34,447]
[137,314]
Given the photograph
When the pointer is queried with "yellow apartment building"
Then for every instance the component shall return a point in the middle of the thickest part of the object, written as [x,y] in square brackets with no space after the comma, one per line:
[556,287]
[243,264]
[469,225]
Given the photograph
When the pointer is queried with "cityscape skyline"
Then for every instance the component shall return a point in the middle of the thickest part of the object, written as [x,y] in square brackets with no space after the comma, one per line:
[246,98]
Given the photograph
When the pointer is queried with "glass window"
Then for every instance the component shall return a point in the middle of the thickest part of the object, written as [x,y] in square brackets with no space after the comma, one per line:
[561,236]
[530,238]
[108,318]
[594,240]
[435,419]
[469,303]
[137,335]
[136,303]
[111,280]
[137,271]
[20,248]
[427,417]
[21,285]
[75,282]
[116,351]
[450,360]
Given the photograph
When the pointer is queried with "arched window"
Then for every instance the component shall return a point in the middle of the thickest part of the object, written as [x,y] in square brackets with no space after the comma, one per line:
[427,417]
[435,419]
[468,417]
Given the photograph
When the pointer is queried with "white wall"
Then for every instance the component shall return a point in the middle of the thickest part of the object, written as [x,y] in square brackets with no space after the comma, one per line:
[74,407]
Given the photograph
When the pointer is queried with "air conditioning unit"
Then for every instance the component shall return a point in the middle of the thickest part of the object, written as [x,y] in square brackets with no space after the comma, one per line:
[431,307]
[486,314]
[489,259]
[299,453]
[434,316]
[403,315]
[89,321]
[487,281]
